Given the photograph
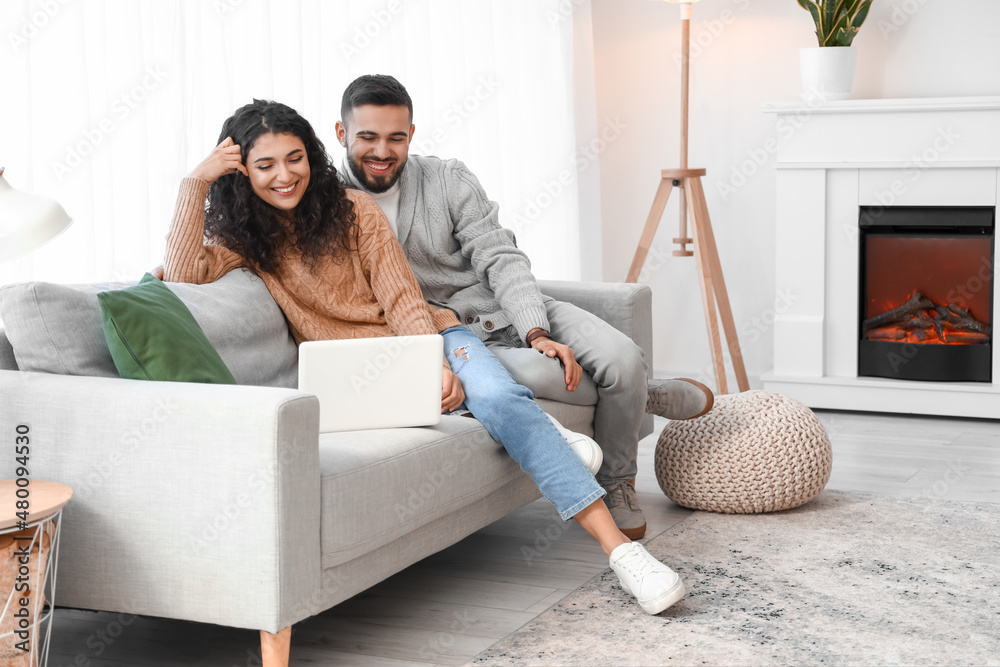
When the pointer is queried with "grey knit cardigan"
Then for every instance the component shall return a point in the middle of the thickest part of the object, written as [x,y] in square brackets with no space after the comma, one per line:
[463,258]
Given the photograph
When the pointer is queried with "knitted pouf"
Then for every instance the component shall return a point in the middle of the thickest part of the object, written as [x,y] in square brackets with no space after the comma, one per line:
[753,452]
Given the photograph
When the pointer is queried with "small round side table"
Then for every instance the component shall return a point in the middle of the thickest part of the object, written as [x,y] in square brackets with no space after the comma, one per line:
[29,551]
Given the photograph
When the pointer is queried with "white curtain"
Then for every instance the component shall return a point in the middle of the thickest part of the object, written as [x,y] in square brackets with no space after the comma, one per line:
[107,104]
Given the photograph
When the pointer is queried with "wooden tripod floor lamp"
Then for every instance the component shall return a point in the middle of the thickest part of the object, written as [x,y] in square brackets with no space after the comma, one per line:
[706,254]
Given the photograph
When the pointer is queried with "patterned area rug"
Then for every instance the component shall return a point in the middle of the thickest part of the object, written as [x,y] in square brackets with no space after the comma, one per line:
[847,579]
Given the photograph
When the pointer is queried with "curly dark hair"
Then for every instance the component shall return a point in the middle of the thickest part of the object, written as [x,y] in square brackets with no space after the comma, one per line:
[236,218]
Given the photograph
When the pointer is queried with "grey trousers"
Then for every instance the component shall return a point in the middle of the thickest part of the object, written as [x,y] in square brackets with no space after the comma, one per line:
[614,378]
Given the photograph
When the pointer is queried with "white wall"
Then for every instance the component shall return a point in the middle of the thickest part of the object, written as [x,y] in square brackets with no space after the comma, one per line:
[745,53]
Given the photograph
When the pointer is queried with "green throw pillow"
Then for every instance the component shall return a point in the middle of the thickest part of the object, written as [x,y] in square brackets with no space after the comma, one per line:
[153,336]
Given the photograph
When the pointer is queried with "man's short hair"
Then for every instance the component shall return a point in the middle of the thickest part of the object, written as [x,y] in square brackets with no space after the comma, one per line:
[380,90]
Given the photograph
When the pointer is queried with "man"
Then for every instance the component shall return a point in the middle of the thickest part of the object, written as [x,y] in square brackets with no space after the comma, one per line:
[466,261]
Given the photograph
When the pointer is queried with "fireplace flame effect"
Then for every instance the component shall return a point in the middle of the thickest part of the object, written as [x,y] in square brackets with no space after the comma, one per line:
[921,321]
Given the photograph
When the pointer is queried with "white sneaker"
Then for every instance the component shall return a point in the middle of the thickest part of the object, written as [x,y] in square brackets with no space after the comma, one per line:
[583,446]
[653,584]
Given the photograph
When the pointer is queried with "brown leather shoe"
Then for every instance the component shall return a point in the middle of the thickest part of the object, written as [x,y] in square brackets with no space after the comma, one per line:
[679,398]
[623,504]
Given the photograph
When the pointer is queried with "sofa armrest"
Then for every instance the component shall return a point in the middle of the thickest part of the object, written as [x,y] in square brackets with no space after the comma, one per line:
[7,360]
[627,307]
[191,501]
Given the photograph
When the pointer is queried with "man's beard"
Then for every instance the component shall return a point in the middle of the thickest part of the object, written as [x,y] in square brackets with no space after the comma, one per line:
[368,181]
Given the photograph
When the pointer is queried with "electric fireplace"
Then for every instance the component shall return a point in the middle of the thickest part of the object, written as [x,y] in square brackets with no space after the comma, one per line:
[926,293]
[906,324]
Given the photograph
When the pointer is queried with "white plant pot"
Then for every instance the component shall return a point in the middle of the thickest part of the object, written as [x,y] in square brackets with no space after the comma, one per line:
[828,72]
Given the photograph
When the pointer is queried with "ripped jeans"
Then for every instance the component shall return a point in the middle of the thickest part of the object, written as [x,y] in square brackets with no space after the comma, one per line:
[510,414]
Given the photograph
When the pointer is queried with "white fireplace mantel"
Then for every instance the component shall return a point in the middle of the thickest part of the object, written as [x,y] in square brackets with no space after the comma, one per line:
[832,158]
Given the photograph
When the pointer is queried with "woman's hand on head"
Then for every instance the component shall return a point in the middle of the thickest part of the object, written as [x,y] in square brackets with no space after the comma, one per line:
[452,393]
[224,159]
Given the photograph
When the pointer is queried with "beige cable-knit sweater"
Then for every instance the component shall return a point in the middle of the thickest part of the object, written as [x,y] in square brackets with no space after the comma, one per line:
[371,293]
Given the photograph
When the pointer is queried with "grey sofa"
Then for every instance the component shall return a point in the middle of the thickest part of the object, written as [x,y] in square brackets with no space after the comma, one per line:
[223,504]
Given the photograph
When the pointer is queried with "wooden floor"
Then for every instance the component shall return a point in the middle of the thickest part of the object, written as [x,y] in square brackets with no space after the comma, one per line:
[449,607]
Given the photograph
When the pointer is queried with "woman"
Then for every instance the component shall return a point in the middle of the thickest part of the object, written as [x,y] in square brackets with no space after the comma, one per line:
[333,265]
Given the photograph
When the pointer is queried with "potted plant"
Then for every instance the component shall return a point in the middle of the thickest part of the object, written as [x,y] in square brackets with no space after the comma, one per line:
[828,70]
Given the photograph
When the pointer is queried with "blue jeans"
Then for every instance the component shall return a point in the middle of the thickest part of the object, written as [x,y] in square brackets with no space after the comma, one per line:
[510,414]
[614,377]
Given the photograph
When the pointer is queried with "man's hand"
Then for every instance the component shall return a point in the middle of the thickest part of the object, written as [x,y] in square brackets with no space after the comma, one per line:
[550,348]
[452,394]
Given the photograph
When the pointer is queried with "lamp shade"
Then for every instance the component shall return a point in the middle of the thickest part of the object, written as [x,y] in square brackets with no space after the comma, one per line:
[27,221]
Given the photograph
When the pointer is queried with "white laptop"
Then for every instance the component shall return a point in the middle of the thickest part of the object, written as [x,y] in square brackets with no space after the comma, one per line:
[366,383]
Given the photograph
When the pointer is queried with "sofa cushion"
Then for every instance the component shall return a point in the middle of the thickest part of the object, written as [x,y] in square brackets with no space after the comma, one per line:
[57,328]
[153,336]
[379,485]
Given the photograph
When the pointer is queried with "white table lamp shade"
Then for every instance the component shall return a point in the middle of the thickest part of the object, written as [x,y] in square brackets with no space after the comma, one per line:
[27,221]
